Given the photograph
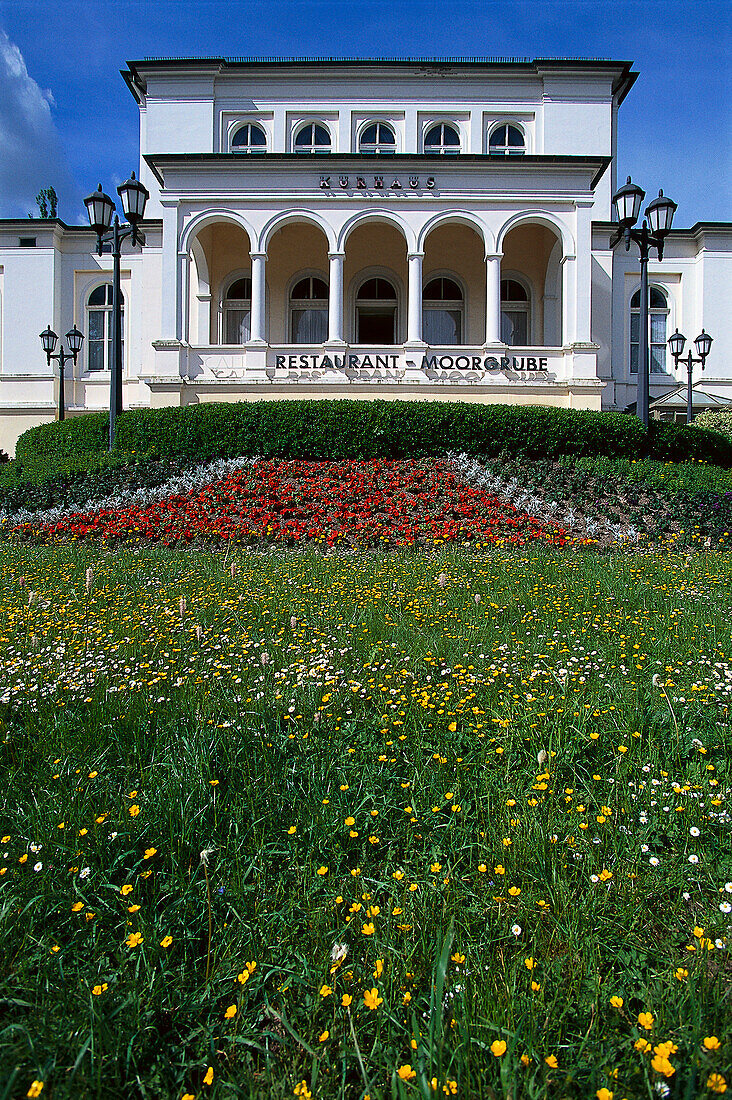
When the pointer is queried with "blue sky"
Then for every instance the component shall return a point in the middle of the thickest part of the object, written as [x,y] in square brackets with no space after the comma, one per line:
[67,119]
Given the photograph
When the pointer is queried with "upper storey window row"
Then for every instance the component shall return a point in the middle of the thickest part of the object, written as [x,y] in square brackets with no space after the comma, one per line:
[378,137]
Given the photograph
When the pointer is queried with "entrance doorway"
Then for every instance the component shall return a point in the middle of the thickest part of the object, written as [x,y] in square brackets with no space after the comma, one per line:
[376,313]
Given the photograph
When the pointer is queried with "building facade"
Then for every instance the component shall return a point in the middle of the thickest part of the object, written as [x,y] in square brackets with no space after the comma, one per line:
[412,230]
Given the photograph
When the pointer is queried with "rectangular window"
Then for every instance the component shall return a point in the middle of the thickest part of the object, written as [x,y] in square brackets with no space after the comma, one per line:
[237,326]
[27,242]
[309,326]
[96,340]
[442,327]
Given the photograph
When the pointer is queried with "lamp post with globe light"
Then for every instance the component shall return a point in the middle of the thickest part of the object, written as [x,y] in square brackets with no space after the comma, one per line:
[656,224]
[100,207]
[703,345]
[49,340]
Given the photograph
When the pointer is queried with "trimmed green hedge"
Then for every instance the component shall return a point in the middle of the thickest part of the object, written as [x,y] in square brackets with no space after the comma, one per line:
[322,430]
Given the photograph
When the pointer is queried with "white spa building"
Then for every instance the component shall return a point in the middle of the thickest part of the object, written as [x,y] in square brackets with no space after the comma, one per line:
[421,229]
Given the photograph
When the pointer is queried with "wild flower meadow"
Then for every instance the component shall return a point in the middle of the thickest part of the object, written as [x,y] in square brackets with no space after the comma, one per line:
[364,824]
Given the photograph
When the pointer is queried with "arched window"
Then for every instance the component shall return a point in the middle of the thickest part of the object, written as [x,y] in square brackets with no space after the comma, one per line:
[309,311]
[377,138]
[312,138]
[442,138]
[657,326]
[515,306]
[507,140]
[99,328]
[376,312]
[249,138]
[442,319]
[237,312]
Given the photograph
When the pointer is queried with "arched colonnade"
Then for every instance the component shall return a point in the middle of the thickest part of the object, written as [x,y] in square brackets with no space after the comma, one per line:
[375,279]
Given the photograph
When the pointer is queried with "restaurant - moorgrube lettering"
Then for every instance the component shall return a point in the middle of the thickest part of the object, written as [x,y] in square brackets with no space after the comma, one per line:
[319,361]
[480,362]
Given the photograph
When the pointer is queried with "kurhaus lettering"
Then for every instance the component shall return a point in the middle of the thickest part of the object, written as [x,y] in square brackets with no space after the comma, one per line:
[376,183]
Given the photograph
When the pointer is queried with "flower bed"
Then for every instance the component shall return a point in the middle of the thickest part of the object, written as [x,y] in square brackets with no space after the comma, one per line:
[379,503]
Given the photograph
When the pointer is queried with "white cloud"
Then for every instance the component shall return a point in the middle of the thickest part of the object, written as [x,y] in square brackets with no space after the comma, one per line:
[31,154]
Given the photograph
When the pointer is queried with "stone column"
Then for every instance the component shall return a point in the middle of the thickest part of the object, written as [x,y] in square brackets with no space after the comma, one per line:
[257,329]
[335,298]
[414,300]
[493,298]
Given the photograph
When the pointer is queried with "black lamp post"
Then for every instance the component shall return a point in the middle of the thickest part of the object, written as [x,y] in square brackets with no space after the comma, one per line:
[656,224]
[48,340]
[703,344]
[100,207]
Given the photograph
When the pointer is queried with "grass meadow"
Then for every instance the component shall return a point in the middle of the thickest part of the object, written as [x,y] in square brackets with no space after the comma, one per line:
[370,825]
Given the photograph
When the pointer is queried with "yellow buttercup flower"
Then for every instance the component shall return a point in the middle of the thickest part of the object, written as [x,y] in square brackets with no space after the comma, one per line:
[712,1042]
[498,1048]
[406,1072]
[230,1012]
[617,1002]
[208,1078]
[372,999]
[645,1019]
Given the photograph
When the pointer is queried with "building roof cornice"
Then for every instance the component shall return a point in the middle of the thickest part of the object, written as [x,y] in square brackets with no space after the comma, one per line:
[696,230]
[366,161]
[623,78]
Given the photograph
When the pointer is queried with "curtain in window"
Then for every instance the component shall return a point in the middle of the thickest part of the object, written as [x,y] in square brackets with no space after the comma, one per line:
[238,325]
[441,326]
[309,326]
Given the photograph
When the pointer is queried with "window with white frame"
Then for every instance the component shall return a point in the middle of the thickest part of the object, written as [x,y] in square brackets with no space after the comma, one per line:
[99,328]
[658,309]
[442,316]
[378,137]
[312,138]
[507,140]
[237,312]
[515,309]
[442,138]
[249,138]
[376,312]
[309,311]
